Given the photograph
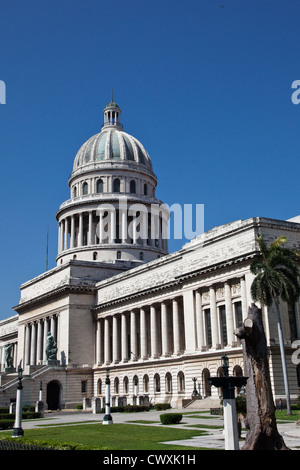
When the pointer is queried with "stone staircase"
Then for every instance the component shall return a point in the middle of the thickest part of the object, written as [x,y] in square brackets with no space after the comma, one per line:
[201,404]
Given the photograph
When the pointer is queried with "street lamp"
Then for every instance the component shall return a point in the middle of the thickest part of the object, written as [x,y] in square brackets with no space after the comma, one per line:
[228,383]
[107,419]
[17,429]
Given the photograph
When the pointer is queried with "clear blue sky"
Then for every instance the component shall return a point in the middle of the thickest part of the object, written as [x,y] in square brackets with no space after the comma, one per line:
[205,85]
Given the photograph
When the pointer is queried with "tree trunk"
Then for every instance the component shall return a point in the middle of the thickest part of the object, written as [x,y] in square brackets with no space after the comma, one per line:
[262,431]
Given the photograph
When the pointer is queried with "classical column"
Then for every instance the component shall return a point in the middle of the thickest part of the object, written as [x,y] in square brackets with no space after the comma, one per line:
[27,344]
[90,239]
[124,225]
[164,329]
[190,333]
[112,226]
[53,327]
[133,336]
[115,336]
[99,358]
[124,338]
[244,299]
[100,226]
[153,331]
[143,334]
[229,314]
[107,357]
[214,319]
[199,319]
[66,233]
[33,345]
[62,236]
[39,342]
[80,231]
[59,237]
[72,231]
[176,326]
[46,330]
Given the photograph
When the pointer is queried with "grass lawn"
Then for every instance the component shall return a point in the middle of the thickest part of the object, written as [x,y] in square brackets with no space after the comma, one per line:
[114,437]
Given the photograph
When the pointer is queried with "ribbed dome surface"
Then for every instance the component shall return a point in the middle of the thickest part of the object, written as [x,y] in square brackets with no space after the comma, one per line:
[112,144]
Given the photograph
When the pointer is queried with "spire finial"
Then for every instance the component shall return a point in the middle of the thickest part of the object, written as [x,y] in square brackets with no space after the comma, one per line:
[112,94]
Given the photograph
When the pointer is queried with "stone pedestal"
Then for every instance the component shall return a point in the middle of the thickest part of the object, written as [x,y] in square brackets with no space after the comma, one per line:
[96,405]
[40,408]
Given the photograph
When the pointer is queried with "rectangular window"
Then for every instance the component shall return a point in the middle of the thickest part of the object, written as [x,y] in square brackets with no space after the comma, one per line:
[207,327]
[83,386]
[223,329]
[238,314]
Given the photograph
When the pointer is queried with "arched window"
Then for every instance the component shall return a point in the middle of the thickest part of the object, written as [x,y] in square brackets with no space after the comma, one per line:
[95,255]
[75,192]
[116,386]
[85,188]
[119,254]
[156,383]
[180,379]
[145,189]
[132,187]
[146,383]
[100,186]
[168,382]
[141,256]
[117,185]
[125,385]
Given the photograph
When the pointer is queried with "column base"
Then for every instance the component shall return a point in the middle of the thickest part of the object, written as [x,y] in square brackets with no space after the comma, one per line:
[17,432]
[107,419]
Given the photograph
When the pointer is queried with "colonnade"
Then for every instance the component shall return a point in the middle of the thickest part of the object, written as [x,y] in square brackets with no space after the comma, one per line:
[199,320]
[109,226]
[36,337]
[139,334]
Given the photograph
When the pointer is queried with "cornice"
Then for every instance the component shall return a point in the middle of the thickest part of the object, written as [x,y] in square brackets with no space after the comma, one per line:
[52,295]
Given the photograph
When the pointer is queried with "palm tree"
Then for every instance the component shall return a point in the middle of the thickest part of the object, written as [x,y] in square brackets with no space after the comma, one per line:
[277,277]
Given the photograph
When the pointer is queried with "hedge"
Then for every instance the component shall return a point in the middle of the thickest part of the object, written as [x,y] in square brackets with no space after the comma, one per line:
[170,418]
[162,406]
[6,424]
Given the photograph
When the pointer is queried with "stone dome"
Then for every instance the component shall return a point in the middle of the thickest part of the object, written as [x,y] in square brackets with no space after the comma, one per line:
[112,145]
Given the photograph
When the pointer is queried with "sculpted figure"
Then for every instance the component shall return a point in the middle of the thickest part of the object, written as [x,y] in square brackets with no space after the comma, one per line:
[51,348]
[8,355]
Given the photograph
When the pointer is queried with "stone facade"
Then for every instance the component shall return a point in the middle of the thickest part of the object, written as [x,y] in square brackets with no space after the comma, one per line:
[156,320]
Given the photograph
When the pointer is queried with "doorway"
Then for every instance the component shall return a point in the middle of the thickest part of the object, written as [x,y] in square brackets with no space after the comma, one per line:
[53,395]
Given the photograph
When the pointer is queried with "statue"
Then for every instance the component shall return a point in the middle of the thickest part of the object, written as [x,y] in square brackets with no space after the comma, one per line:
[8,355]
[51,348]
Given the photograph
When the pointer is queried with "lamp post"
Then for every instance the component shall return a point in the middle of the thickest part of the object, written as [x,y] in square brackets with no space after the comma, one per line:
[228,383]
[107,419]
[17,430]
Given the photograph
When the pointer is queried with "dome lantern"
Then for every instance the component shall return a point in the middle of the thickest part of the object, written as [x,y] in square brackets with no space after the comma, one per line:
[112,114]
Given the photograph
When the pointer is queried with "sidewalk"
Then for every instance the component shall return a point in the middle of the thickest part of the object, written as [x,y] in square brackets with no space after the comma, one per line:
[213,440]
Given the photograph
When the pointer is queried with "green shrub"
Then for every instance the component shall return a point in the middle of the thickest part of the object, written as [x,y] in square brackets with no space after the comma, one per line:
[170,418]
[6,423]
[162,406]
[135,408]
[79,406]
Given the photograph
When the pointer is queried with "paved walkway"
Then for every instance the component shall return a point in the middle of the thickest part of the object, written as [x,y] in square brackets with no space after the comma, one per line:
[213,440]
